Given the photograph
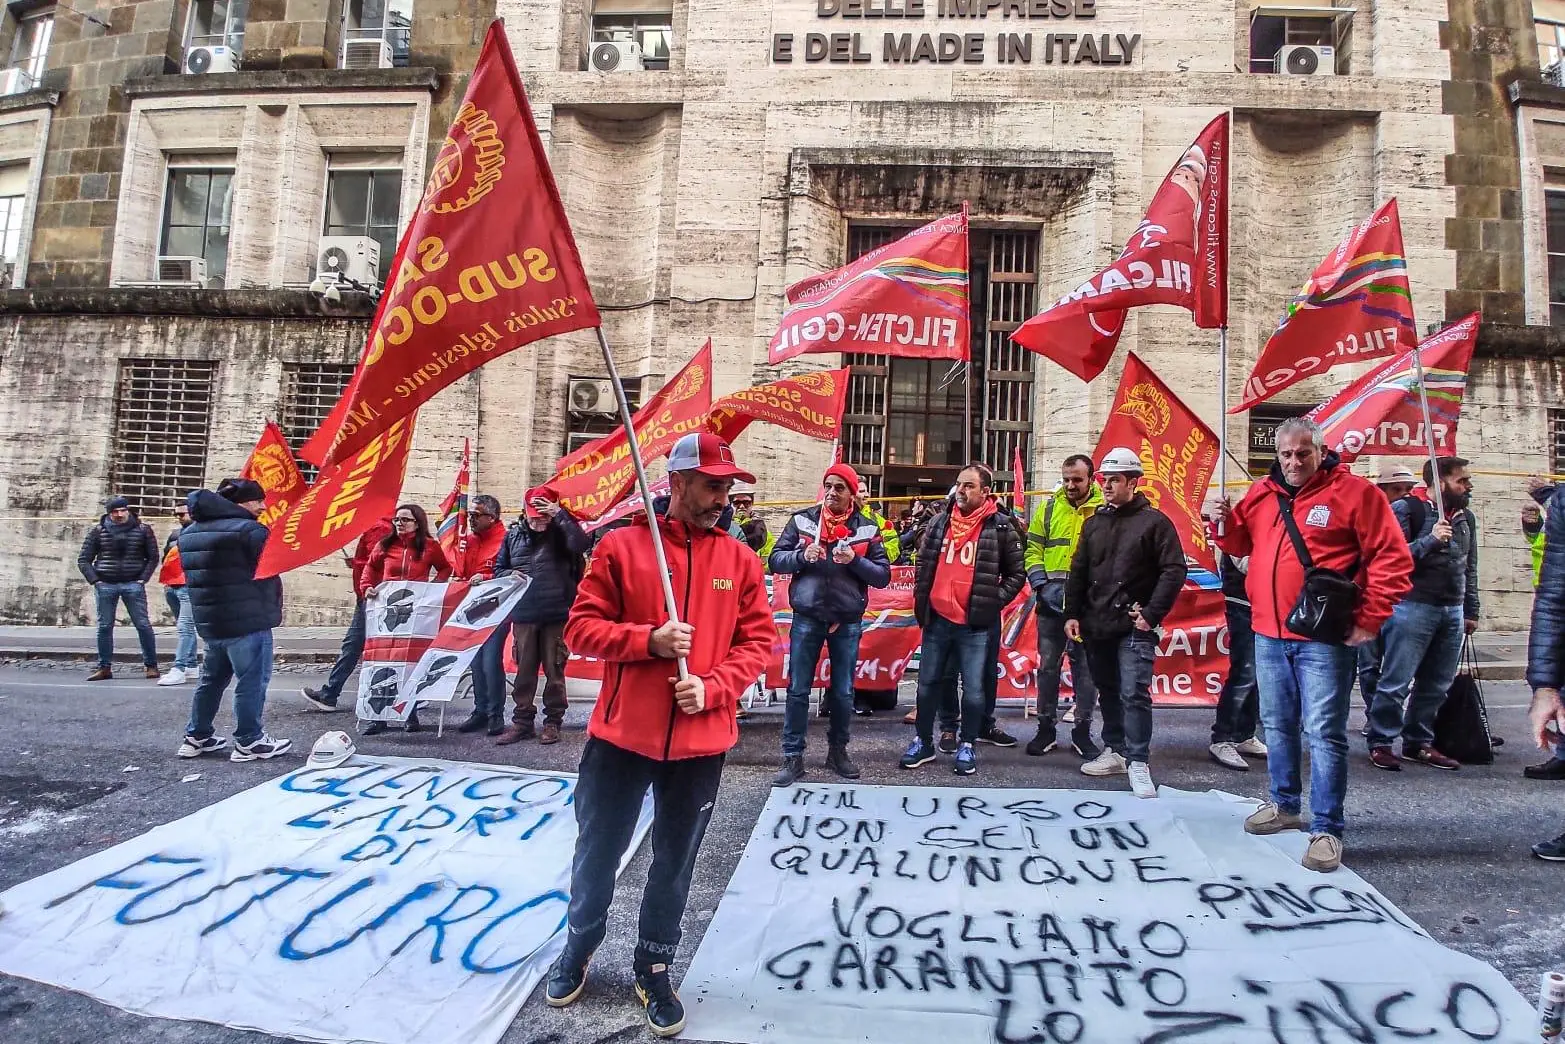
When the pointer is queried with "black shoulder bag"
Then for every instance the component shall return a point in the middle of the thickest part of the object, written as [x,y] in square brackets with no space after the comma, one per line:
[1327,601]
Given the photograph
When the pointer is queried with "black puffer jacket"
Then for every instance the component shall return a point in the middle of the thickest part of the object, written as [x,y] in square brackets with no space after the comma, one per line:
[1125,556]
[119,552]
[998,572]
[553,558]
[825,590]
[219,551]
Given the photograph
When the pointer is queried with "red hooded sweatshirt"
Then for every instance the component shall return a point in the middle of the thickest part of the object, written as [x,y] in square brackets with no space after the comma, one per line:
[720,591]
[1344,520]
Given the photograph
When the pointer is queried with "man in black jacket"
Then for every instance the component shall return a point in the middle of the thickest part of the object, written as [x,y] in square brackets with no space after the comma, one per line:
[1126,573]
[234,614]
[969,569]
[547,544]
[835,554]
[118,558]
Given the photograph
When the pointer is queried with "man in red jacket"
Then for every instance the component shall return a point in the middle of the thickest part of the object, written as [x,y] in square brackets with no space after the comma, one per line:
[325,698]
[652,729]
[476,562]
[1346,526]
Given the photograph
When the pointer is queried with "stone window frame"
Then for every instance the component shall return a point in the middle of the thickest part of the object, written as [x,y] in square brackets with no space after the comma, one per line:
[18,145]
[1540,175]
[343,162]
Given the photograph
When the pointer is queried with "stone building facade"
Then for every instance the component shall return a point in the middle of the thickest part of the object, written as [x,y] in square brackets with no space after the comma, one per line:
[735,149]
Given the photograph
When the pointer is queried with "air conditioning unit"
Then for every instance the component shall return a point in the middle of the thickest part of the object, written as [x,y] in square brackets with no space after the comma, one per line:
[181,271]
[348,259]
[1307,60]
[1555,74]
[366,54]
[16,81]
[592,396]
[615,56]
[200,60]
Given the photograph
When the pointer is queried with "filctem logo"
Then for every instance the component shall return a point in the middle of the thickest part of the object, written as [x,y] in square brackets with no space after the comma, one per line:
[470,163]
[272,469]
[1148,405]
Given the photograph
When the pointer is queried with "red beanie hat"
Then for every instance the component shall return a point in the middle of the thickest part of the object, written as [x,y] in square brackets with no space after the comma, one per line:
[846,474]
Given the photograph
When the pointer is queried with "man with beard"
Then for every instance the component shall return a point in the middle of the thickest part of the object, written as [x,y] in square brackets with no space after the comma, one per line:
[665,716]
[1423,638]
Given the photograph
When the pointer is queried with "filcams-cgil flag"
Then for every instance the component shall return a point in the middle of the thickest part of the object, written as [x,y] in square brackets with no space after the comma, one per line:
[597,476]
[1178,453]
[1380,413]
[1356,306]
[272,465]
[486,266]
[907,298]
[808,403]
[1177,255]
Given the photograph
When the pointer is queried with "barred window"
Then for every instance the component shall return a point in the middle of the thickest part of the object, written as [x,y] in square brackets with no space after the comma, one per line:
[162,415]
[310,390]
[1557,442]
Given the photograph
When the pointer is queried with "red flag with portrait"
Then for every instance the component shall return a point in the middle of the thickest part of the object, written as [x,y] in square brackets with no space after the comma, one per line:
[809,403]
[272,465]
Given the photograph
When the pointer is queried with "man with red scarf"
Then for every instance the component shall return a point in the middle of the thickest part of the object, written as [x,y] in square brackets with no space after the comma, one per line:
[969,568]
[835,552]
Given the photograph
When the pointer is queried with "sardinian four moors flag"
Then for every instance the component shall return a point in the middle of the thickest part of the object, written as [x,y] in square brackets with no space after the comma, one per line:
[1356,306]
[597,476]
[907,298]
[808,403]
[1178,255]
[271,464]
[486,266]
[1380,413]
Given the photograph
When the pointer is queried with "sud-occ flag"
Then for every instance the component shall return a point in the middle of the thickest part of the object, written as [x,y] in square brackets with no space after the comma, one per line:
[1177,450]
[1177,255]
[808,403]
[597,476]
[486,266]
[906,298]
[271,464]
[1380,412]
[1355,307]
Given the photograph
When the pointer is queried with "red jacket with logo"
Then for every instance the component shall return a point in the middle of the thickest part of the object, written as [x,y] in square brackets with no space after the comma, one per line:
[402,562]
[361,553]
[720,592]
[480,553]
[1344,520]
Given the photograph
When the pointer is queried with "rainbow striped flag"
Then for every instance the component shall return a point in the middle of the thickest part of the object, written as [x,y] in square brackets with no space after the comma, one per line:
[452,531]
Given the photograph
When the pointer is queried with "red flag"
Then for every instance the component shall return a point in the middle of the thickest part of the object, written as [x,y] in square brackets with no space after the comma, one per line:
[1380,413]
[906,298]
[595,477]
[271,464]
[1356,306]
[345,500]
[1178,255]
[625,508]
[1177,450]
[810,404]
[452,531]
[1020,487]
[486,266]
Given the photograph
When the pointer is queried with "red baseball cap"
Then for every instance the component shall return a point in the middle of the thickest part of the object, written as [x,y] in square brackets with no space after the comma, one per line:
[707,453]
[538,493]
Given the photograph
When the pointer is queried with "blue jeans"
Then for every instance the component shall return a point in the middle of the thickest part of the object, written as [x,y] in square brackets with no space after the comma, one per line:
[805,639]
[1122,670]
[134,595]
[248,659]
[950,699]
[944,642]
[1369,656]
[1306,684]
[1238,706]
[1052,645]
[185,651]
[348,656]
[489,675]
[1423,652]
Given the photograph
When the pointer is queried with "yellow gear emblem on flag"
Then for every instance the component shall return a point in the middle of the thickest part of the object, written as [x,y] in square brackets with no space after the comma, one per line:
[469,165]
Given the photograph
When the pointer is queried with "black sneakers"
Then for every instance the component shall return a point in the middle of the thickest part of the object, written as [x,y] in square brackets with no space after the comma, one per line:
[567,979]
[838,761]
[947,743]
[1042,743]
[1553,851]
[665,1014]
[997,737]
[475,722]
[792,769]
[1554,768]
[317,699]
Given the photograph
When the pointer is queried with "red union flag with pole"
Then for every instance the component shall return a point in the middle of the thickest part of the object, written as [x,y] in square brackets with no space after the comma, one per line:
[1380,413]
[597,476]
[1356,306]
[809,403]
[907,298]
[486,266]
[452,531]
[271,464]
[1178,255]
[1178,452]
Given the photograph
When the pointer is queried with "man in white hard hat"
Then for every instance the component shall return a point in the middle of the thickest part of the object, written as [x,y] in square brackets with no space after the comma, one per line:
[1396,481]
[1126,573]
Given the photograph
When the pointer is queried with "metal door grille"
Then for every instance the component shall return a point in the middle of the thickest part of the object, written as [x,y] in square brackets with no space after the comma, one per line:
[310,390]
[1008,367]
[162,416]
[1557,442]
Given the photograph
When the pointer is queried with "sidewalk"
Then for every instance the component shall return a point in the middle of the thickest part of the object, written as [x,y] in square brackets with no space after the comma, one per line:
[1502,655]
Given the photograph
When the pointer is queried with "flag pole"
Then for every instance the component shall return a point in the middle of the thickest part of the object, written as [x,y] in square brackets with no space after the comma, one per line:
[646,488]
[1435,487]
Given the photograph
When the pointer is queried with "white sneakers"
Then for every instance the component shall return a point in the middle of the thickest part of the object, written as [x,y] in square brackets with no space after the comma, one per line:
[1111,764]
[1106,764]
[175,676]
[1252,748]
[1228,756]
[1141,783]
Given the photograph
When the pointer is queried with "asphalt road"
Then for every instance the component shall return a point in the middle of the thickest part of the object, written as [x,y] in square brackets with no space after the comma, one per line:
[85,766]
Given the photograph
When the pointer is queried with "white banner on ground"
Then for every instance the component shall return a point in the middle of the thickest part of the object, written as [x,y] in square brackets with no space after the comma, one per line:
[892,914]
[391,899]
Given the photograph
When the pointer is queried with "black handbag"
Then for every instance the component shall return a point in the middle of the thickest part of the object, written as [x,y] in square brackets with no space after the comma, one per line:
[1462,724]
[1328,600]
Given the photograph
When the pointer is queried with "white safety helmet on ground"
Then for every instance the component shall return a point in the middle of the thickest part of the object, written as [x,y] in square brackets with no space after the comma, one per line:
[1120,461]
[331,750]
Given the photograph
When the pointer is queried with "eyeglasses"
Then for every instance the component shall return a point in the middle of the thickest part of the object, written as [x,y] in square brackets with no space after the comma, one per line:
[405,521]
[479,514]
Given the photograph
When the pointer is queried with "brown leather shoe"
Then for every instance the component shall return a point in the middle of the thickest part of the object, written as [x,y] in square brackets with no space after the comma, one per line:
[153,672]
[515,733]
[1431,757]
[1382,758]
[101,674]
[550,733]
